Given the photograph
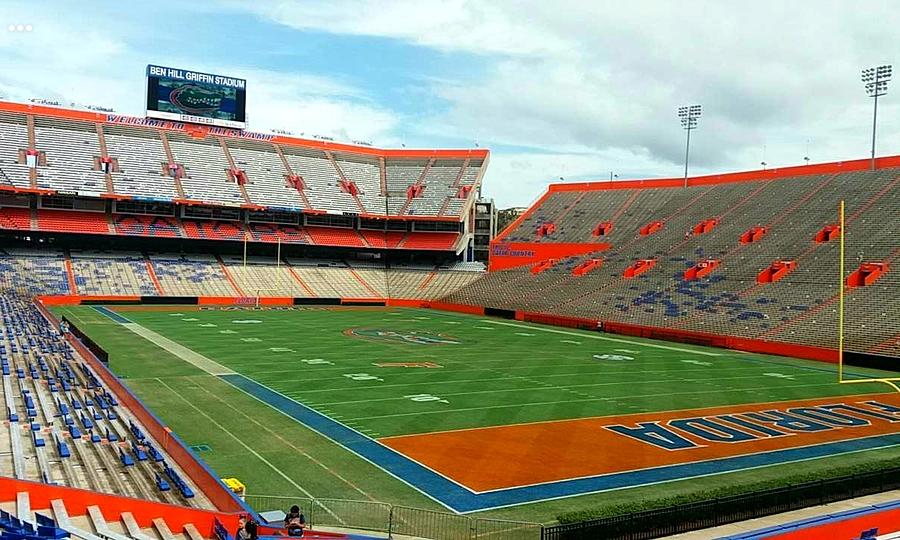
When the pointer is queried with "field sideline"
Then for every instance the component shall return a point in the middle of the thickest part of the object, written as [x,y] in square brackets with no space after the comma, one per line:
[409,378]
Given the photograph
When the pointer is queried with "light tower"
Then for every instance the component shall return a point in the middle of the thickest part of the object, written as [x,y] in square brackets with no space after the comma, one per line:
[689,115]
[876,81]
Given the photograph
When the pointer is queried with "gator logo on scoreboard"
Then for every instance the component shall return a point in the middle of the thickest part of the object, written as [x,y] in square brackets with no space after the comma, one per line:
[195,99]
[423,337]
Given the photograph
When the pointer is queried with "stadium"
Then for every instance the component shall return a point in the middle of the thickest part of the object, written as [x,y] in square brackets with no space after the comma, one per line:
[205,325]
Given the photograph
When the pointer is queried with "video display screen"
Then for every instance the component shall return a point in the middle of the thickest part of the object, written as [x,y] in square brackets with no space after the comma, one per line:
[191,96]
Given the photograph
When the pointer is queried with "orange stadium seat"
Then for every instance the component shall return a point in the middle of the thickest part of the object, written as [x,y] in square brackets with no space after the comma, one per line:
[430,240]
[333,236]
[79,222]
[15,218]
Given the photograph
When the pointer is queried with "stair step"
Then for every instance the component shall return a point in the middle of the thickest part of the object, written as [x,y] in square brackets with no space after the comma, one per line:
[192,533]
[62,519]
[102,526]
[132,527]
[23,507]
[163,529]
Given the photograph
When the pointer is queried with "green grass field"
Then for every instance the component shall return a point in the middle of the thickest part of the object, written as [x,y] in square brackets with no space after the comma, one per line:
[499,372]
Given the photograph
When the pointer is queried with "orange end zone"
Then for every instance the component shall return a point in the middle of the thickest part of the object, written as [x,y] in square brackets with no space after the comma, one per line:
[492,458]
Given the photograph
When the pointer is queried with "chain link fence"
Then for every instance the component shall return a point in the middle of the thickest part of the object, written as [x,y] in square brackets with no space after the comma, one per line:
[398,520]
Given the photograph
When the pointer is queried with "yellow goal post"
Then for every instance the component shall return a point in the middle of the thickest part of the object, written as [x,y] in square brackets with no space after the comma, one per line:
[842,280]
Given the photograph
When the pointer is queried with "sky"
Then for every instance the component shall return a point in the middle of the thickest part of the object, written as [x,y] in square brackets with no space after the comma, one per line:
[577,90]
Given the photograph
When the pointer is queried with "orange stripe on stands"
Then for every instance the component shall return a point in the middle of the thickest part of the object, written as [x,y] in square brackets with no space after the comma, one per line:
[70,275]
[153,278]
[302,283]
[364,283]
[484,459]
[428,279]
[230,279]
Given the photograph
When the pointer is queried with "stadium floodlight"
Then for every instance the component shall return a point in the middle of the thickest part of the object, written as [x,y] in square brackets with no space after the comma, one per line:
[688,115]
[876,82]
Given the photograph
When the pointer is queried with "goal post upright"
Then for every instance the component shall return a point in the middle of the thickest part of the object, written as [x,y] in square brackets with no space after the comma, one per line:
[890,381]
[261,293]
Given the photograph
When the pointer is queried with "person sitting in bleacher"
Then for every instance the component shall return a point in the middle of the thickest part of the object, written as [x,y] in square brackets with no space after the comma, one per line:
[247,529]
[294,521]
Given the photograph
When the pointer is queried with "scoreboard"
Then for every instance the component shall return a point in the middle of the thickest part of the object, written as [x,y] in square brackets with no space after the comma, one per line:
[196,97]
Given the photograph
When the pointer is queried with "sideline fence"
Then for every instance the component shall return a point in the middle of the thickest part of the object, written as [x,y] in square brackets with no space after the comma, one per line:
[438,525]
[399,520]
[712,513]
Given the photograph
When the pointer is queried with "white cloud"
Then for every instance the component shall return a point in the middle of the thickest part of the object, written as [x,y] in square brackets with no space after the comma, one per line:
[478,27]
[608,76]
[577,86]
[98,63]
[519,178]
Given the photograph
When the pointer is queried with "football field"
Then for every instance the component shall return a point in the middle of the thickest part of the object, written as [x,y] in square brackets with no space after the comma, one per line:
[443,410]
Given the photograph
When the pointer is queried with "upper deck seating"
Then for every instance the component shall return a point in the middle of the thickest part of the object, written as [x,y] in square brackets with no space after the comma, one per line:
[206,170]
[265,175]
[142,160]
[438,182]
[801,308]
[71,148]
[13,140]
[71,152]
[366,174]
[321,179]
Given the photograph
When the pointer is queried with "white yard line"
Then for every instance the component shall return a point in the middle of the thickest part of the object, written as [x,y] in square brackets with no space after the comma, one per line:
[545,403]
[543,387]
[604,338]
[196,359]
[288,443]
[231,434]
[352,388]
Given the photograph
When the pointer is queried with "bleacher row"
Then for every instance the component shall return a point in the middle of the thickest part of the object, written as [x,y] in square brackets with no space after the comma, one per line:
[800,308]
[24,219]
[153,163]
[135,274]
[62,426]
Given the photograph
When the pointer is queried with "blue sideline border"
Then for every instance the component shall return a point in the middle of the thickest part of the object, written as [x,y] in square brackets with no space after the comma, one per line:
[462,500]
